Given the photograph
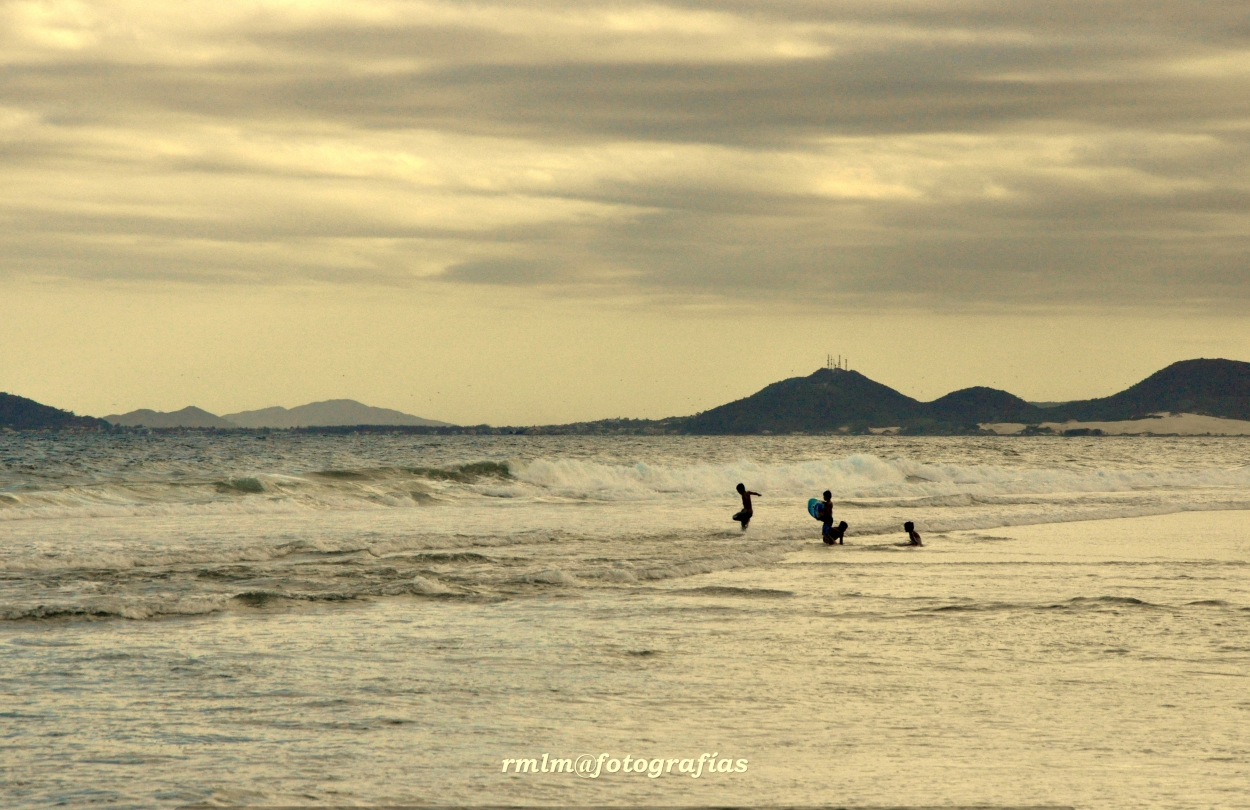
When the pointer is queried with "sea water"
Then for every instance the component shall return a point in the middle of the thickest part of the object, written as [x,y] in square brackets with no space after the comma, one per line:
[276,619]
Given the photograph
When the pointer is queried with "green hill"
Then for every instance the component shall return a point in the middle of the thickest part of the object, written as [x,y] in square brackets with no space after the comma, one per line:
[835,399]
[826,400]
[1208,387]
[971,406]
[20,413]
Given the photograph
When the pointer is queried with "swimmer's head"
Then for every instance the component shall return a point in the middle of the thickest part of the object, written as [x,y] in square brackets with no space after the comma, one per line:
[828,495]
[842,525]
[741,488]
[909,526]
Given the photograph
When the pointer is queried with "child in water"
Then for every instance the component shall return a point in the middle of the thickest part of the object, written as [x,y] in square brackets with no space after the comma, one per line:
[835,534]
[744,517]
[913,538]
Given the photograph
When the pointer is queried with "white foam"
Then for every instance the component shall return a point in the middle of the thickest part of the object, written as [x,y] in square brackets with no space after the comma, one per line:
[431,587]
[551,576]
[856,477]
[125,607]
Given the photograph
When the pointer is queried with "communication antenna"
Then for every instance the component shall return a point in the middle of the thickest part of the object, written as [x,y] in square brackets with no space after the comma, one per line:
[841,363]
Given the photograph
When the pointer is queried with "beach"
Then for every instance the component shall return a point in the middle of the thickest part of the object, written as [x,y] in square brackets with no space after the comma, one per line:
[1160,424]
[258,649]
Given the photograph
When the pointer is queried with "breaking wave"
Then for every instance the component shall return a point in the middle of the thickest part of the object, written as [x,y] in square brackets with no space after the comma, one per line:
[179,532]
[858,480]
[858,476]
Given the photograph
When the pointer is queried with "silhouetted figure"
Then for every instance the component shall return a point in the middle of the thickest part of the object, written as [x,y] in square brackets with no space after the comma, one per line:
[835,535]
[744,517]
[826,518]
[913,538]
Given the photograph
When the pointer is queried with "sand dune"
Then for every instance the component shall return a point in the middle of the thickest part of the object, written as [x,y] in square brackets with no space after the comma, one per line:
[1182,424]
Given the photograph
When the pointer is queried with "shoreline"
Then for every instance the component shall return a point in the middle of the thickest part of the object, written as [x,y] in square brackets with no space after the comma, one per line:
[1172,424]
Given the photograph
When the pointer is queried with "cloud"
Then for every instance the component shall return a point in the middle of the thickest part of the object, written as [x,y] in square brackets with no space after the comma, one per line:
[502,271]
[936,153]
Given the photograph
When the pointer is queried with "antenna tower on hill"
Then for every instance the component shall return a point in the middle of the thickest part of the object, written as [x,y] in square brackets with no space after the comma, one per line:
[841,364]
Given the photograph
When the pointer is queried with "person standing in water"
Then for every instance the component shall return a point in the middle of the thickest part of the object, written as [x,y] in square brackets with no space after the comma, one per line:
[744,517]
[826,518]
[913,537]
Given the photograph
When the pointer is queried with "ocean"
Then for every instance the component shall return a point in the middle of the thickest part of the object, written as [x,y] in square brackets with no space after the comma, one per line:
[199,619]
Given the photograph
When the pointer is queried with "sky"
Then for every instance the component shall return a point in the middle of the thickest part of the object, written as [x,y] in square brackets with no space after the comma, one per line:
[538,212]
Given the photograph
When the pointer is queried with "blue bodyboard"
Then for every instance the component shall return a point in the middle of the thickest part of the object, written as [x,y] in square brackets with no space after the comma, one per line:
[813,507]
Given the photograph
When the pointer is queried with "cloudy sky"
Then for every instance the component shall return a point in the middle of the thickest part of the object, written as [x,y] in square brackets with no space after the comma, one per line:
[538,211]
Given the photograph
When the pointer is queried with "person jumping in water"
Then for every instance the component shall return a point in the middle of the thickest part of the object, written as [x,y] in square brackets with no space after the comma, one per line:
[913,538]
[744,517]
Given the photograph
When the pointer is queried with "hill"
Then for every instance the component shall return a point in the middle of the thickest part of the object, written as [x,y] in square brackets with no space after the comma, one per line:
[1206,387]
[330,413]
[190,416]
[825,400]
[20,413]
[972,406]
[835,399]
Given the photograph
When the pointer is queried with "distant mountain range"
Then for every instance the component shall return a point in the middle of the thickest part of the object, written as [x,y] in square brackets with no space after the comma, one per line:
[189,416]
[835,399]
[829,400]
[331,413]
